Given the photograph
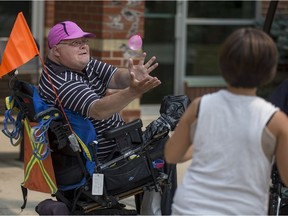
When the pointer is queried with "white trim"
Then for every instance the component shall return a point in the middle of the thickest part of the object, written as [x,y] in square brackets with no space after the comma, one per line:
[192,21]
[37,28]
[258,11]
[180,46]
[38,22]
[205,81]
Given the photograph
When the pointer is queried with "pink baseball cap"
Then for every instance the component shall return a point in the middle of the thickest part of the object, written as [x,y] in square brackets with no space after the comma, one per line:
[64,31]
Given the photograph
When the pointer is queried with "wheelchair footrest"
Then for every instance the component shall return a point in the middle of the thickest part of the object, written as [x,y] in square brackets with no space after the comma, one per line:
[111,212]
[92,207]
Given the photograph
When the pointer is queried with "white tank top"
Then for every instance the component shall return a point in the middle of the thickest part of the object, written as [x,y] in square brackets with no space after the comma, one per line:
[229,173]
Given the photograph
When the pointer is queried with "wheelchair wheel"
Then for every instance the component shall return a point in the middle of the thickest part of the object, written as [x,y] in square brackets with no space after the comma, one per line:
[283,210]
[278,197]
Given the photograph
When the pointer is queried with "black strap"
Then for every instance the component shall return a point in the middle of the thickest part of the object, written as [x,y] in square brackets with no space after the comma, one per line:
[24,193]
[63,199]
[270,16]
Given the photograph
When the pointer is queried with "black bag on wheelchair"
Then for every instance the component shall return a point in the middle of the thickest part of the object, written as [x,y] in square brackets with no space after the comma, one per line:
[126,175]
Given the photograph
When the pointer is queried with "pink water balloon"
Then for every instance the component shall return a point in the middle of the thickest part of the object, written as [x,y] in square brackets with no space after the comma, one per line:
[135,42]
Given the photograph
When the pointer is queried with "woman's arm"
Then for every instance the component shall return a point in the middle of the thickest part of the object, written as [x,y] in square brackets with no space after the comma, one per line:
[278,125]
[179,146]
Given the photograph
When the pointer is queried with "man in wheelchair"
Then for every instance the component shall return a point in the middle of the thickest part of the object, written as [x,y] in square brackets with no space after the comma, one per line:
[76,84]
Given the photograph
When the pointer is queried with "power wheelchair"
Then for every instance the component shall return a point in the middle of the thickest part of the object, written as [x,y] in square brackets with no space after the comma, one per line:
[278,195]
[137,163]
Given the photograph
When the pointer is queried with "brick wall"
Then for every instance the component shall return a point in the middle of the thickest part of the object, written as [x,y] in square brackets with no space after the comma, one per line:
[282,7]
[113,22]
[193,92]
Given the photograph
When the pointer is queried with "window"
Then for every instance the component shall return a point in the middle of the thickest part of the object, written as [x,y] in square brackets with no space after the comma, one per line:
[221,9]
[208,24]
[8,14]
[203,43]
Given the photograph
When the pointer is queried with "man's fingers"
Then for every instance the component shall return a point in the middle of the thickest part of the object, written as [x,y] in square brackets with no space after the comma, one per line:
[150,62]
[150,69]
[130,64]
[132,75]
[142,59]
[146,84]
[150,82]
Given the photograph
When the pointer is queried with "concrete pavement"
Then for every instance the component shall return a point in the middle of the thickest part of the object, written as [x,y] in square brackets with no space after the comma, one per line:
[11,175]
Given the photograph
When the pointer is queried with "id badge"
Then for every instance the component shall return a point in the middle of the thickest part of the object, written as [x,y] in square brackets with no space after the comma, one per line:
[97,184]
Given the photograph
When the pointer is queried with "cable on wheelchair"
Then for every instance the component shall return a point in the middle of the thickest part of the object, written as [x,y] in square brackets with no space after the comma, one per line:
[38,137]
[17,127]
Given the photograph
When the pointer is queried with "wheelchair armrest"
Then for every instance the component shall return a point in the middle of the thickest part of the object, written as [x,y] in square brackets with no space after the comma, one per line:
[52,111]
[126,128]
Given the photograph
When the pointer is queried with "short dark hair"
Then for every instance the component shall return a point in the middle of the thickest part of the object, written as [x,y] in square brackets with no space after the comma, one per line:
[248,58]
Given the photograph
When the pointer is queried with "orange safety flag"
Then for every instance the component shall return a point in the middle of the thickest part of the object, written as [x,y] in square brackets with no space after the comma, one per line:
[20,48]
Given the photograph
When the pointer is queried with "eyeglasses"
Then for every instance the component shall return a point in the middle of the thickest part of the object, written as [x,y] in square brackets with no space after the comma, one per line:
[76,43]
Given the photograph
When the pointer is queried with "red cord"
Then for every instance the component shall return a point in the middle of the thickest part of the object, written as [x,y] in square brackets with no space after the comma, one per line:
[55,92]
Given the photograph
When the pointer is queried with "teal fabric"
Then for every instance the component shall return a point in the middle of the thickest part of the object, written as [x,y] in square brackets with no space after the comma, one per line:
[39,104]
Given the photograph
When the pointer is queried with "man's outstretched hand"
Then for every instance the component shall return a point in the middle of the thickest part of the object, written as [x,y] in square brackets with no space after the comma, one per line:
[142,69]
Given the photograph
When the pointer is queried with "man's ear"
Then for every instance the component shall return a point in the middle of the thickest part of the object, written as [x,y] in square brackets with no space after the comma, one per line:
[55,51]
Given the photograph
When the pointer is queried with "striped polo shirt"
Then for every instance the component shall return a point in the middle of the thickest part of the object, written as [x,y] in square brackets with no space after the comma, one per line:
[77,91]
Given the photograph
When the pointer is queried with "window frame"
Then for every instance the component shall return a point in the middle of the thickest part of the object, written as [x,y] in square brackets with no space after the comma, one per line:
[182,23]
